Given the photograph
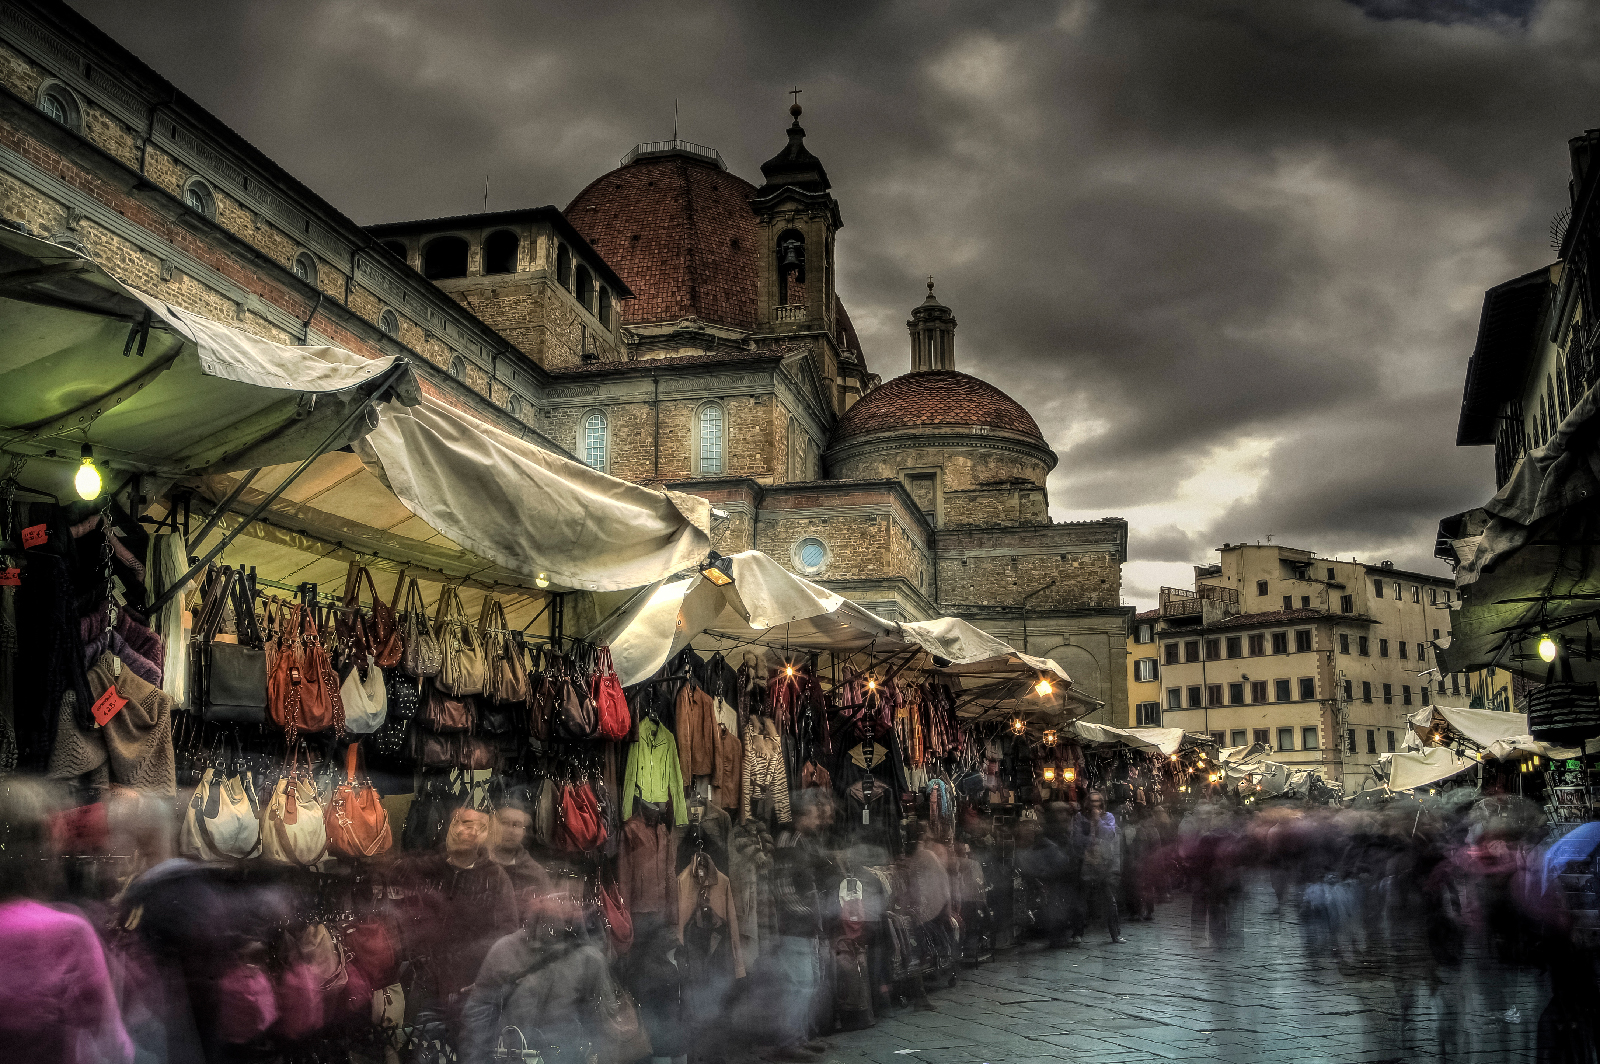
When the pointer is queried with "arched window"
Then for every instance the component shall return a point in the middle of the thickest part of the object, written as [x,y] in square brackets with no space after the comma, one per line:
[585,288]
[458,367]
[61,104]
[197,194]
[389,322]
[305,268]
[397,248]
[514,406]
[444,257]
[593,445]
[564,267]
[709,440]
[500,252]
[604,313]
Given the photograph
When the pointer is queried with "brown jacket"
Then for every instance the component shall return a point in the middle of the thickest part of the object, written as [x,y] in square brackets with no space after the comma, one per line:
[696,733]
[728,769]
[702,876]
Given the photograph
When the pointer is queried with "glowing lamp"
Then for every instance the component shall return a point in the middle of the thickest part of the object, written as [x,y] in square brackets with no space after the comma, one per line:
[1069,774]
[1050,737]
[88,479]
[1049,773]
[1172,757]
[717,569]
[542,580]
[872,685]
[1547,646]
[1018,726]
[788,670]
[1043,688]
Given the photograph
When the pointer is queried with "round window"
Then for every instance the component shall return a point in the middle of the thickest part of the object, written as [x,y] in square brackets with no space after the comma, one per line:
[52,105]
[810,554]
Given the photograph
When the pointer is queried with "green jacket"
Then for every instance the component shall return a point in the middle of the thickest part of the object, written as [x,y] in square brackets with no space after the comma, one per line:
[653,772]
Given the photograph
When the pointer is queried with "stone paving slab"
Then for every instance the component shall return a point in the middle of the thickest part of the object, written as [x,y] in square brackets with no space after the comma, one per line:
[1258,998]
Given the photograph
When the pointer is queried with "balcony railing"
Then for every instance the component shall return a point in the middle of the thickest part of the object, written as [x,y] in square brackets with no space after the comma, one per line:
[650,147]
[791,312]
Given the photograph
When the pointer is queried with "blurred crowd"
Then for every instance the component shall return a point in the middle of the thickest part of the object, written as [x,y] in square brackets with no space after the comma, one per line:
[482,949]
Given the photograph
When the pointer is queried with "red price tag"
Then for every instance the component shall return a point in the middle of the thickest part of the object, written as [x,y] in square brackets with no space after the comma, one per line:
[10,577]
[35,535]
[106,706]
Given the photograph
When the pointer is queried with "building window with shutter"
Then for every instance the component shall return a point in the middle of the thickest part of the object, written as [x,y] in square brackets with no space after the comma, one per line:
[1144,670]
[1372,741]
[1302,640]
[1213,694]
[1280,642]
[1235,647]
[1170,650]
[1388,694]
[1285,738]
[1283,690]
[1366,691]
[1363,647]
[1196,701]
[1258,690]
[1258,645]
[1308,689]
[1261,587]
[1383,648]
[1344,643]
[1191,650]
[1405,694]
[1236,694]
[1213,649]
[1347,604]
[1261,736]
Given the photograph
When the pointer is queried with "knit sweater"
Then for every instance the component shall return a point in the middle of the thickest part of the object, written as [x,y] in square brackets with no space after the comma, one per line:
[135,746]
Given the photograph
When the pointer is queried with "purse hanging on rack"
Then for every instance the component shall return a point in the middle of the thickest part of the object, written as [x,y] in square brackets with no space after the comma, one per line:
[292,828]
[507,674]
[303,689]
[356,822]
[222,820]
[234,676]
[462,670]
[421,657]
[384,628]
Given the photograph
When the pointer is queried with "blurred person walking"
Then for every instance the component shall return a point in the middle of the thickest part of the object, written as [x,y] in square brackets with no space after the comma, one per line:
[1102,866]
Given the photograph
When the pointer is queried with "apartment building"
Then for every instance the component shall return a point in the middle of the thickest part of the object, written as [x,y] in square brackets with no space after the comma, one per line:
[1321,659]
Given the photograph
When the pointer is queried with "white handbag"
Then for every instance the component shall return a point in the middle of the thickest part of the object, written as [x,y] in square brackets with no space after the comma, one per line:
[292,831]
[221,820]
[365,704]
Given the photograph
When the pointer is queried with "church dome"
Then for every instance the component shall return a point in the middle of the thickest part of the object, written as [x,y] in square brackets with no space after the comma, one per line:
[678,228]
[939,398]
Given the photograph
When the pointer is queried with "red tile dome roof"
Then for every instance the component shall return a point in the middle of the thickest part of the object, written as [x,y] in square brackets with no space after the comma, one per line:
[938,397]
[681,234]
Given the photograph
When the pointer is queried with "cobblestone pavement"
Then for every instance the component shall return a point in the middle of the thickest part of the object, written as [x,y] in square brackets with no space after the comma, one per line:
[1159,998]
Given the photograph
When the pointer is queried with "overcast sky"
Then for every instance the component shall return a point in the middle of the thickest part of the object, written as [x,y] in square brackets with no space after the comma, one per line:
[1230,253]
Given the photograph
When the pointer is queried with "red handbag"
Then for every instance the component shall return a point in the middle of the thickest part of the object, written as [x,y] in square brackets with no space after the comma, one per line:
[582,827]
[370,945]
[616,721]
[357,824]
[619,921]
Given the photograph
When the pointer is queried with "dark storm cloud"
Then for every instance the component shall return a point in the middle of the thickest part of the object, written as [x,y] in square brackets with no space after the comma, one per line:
[1240,240]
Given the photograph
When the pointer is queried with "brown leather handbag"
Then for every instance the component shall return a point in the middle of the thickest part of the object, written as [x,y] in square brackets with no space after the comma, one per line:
[462,670]
[507,670]
[351,637]
[543,704]
[357,823]
[455,750]
[302,688]
[420,657]
[383,629]
[576,715]
[442,712]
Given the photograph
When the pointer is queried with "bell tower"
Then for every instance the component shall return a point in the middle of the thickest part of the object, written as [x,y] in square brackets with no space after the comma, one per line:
[798,220]
[933,335]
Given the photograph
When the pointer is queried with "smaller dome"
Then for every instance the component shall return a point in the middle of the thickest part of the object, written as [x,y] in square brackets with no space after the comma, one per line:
[930,398]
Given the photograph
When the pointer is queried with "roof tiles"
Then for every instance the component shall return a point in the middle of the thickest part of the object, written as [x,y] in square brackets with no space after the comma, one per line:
[931,398]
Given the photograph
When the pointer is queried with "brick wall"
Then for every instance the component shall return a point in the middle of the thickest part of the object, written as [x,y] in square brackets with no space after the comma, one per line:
[965,466]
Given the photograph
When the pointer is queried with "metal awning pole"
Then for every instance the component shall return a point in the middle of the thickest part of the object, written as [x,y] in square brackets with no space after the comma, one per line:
[384,385]
[222,508]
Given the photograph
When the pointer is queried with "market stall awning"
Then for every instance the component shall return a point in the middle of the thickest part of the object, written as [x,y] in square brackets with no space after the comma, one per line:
[990,674]
[765,605]
[1410,771]
[156,389]
[1165,741]
[1498,735]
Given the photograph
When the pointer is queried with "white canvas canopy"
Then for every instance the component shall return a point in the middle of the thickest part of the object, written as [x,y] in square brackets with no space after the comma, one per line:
[155,389]
[771,610]
[1165,741]
[158,390]
[1408,771]
[1499,735]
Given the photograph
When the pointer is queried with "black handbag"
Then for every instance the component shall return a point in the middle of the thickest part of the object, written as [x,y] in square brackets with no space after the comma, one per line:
[429,815]
[233,675]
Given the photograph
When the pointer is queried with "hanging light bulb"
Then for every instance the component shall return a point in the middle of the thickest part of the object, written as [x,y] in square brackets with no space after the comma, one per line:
[1069,774]
[1172,757]
[1547,648]
[88,479]
[1050,737]
[1018,726]
[1049,773]
[872,684]
[1043,688]
[542,580]
[788,670]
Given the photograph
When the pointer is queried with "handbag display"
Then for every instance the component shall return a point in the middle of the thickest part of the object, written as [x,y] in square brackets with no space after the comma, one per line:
[302,688]
[350,634]
[222,820]
[542,705]
[622,1038]
[575,714]
[619,921]
[583,827]
[356,823]
[420,658]
[461,670]
[366,700]
[292,829]
[429,815]
[507,680]
[445,713]
[233,680]
[615,721]
[454,750]
[383,632]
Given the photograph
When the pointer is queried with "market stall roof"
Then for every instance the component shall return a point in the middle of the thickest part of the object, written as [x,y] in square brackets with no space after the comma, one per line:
[772,610]
[1165,741]
[1499,735]
[158,390]
[1524,564]
[1408,771]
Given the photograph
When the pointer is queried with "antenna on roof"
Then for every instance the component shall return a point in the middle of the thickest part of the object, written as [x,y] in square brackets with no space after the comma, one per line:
[674,119]
[486,193]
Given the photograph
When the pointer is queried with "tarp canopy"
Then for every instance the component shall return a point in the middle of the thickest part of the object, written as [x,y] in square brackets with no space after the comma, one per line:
[1525,560]
[1410,771]
[772,612]
[1165,741]
[158,390]
[1499,735]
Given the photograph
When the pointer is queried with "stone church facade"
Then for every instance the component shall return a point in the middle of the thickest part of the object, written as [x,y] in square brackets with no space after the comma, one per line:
[674,325]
